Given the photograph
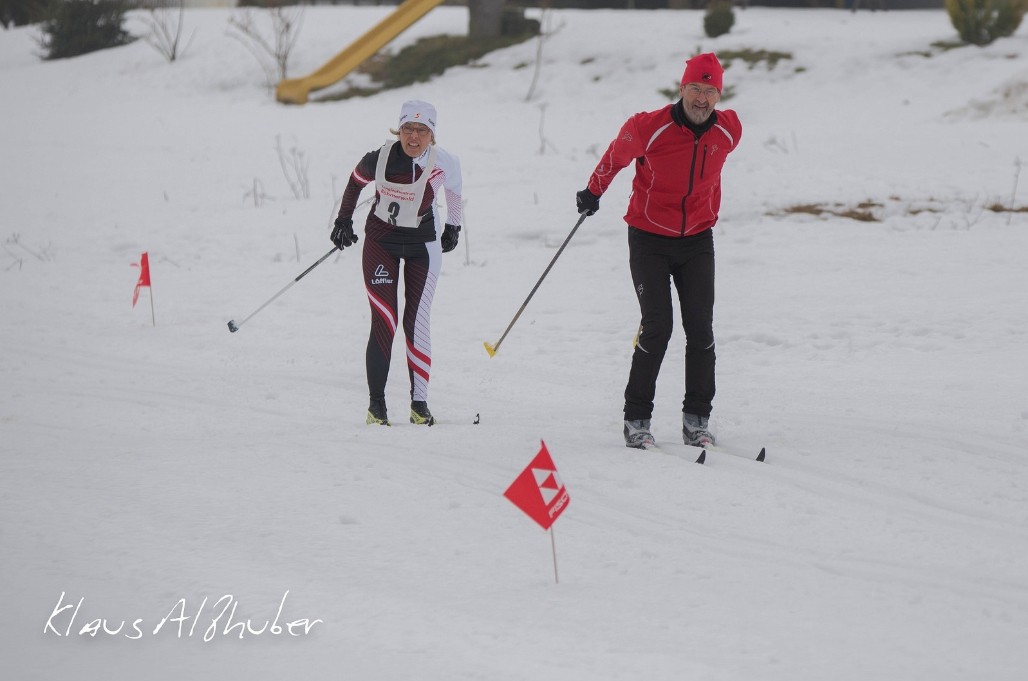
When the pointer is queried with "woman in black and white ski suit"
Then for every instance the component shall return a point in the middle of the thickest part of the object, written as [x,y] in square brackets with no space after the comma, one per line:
[409,174]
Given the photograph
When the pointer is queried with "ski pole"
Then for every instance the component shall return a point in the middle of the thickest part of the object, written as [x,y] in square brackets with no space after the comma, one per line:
[233,326]
[493,349]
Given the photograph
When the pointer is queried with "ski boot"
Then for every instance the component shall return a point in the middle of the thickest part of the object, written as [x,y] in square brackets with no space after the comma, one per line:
[377,413]
[695,430]
[637,434]
[420,415]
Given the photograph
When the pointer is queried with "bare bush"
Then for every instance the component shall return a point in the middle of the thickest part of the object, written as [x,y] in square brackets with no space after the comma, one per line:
[546,31]
[271,52]
[258,194]
[294,167]
[165,27]
[14,248]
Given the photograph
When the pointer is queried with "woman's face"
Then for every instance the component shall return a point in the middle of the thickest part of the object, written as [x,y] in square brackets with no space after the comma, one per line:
[415,138]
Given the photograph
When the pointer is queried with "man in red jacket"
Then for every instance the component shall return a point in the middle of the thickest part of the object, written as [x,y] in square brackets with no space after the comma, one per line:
[678,152]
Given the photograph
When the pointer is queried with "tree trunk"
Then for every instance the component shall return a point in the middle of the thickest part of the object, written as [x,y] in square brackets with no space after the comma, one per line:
[485,18]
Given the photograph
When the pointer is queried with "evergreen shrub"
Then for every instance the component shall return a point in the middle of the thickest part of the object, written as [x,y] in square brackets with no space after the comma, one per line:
[20,12]
[74,27]
[719,18]
[980,22]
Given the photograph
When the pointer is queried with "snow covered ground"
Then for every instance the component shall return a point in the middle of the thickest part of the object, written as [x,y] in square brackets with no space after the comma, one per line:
[883,364]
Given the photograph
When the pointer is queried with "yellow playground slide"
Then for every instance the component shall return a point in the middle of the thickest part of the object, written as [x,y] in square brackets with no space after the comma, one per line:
[295,90]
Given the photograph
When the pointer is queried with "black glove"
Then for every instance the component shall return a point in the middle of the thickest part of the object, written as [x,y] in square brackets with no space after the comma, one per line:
[451,234]
[588,202]
[342,235]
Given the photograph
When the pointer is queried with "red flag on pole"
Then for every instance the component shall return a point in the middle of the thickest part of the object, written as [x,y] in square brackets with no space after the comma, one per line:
[144,276]
[538,491]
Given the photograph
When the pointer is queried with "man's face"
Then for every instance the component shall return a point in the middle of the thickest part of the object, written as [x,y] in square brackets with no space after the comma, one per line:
[698,101]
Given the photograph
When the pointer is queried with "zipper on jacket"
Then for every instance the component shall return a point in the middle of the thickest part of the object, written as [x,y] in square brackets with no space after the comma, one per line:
[692,175]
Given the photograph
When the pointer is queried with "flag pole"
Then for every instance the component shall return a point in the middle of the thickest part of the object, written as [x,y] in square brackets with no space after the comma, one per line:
[553,545]
[153,315]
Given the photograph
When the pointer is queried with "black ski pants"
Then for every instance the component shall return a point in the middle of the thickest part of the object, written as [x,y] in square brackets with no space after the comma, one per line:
[657,262]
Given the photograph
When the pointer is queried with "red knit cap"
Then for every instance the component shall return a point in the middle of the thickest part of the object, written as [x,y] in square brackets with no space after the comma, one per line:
[704,69]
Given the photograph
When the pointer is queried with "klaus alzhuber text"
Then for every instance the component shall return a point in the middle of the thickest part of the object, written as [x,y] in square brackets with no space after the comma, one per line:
[208,621]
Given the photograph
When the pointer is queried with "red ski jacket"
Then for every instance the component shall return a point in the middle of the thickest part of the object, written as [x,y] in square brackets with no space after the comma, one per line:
[677,186]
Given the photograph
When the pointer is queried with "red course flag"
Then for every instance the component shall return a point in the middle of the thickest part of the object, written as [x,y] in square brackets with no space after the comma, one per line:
[144,276]
[538,491]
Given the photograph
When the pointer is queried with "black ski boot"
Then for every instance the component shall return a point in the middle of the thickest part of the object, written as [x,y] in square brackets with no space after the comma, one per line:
[420,415]
[377,412]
